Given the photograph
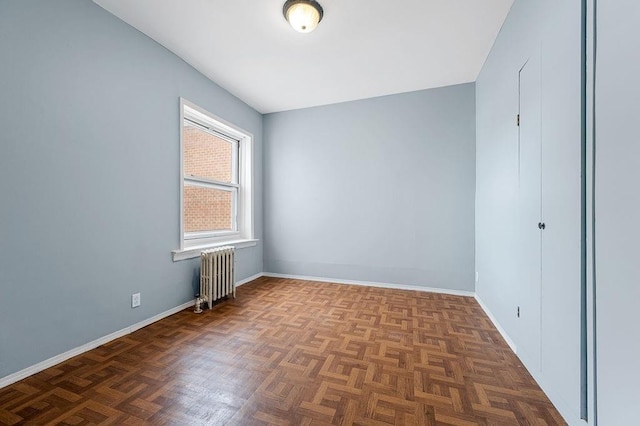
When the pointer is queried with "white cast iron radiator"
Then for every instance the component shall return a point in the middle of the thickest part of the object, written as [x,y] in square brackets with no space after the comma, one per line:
[217,278]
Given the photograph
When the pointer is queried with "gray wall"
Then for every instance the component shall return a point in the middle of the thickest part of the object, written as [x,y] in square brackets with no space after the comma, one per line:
[552,29]
[89,176]
[617,212]
[378,190]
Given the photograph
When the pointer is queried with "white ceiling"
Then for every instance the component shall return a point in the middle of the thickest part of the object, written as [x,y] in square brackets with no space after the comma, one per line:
[361,49]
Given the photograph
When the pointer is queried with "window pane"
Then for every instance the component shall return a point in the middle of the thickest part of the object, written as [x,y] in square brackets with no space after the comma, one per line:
[207,209]
[207,156]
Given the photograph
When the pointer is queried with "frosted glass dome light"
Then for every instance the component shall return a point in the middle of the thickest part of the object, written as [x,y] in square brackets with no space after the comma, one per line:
[303,15]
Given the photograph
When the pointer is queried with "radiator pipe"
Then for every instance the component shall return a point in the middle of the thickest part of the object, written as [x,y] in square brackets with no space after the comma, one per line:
[198,305]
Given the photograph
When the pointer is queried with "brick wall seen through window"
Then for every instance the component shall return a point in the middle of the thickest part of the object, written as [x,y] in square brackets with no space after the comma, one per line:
[210,157]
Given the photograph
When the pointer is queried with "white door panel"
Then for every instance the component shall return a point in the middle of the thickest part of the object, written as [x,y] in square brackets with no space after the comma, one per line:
[530,213]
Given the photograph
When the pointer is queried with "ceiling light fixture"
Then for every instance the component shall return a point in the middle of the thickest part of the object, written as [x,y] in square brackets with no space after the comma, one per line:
[303,15]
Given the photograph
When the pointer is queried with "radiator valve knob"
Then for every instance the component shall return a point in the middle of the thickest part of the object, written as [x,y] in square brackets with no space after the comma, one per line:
[198,306]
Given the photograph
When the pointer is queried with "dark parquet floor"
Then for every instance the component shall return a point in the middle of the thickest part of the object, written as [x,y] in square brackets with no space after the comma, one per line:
[291,352]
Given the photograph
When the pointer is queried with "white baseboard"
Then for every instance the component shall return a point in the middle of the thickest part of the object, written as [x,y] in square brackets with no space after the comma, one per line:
[47,363]
[373,284]
[563,408]
[248,280]
[17,376]
[484,307]
[561,405]
[571,416]
[495,322]
[144,323]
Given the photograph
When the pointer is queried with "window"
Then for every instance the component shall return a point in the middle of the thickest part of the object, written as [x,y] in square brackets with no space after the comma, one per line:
[216,172]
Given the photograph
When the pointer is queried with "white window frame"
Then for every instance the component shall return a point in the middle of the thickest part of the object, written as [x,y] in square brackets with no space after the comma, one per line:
[233,186]
[242,234]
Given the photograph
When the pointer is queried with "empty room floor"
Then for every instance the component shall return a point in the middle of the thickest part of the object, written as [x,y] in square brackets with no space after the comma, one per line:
[300,353]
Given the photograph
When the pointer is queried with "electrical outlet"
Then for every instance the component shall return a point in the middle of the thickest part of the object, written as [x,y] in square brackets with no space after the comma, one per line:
[135,300]
[477,277]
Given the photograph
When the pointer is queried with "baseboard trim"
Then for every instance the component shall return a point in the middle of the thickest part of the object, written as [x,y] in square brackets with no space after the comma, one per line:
[29,371]
[570,416]
[497,325]
[48,363]
[372,284]
[484,307]
[248,280]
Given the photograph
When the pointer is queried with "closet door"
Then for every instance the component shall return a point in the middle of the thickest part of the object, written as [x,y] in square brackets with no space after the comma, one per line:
[530,212]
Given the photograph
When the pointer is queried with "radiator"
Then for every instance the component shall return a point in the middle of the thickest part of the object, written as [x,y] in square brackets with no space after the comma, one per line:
[217,278]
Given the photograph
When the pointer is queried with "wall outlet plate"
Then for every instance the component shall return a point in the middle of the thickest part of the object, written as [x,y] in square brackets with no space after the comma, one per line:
[135,300]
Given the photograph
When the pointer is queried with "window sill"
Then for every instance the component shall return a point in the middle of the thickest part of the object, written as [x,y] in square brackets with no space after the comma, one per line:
[192,252]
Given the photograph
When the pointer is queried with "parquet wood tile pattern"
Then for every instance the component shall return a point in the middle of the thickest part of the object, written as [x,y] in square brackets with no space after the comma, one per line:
[291,352]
